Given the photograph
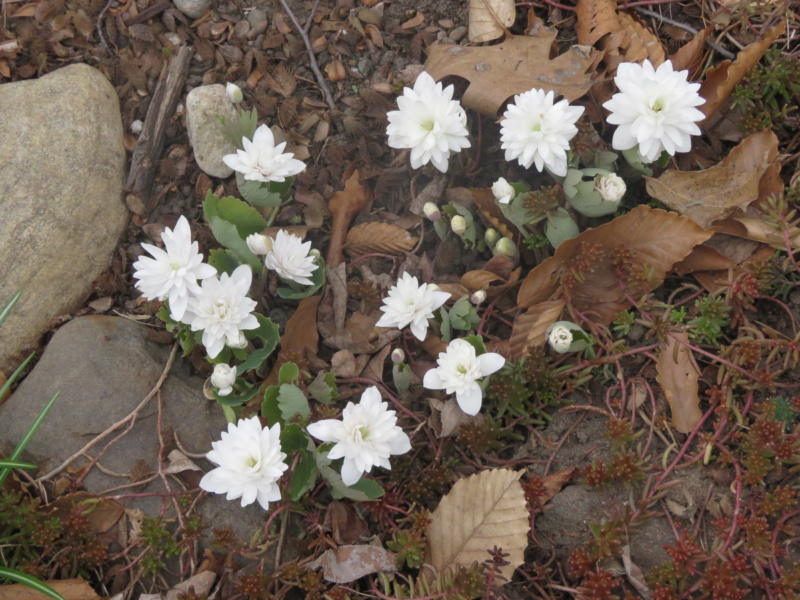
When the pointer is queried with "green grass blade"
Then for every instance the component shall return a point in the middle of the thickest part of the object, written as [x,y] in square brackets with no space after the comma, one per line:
[28,435]
[31,582]
[9,305]
[15,464]
[15,374]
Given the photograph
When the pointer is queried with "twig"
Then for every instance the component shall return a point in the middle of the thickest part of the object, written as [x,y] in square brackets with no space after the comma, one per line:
[118,424]
[711,44]
[148,13]
[100,18]
[303,31]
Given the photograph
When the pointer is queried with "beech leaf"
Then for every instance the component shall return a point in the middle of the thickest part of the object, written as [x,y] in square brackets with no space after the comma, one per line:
[348,563]
[489,18]
[378,238]
[496,73]
[530,327]
[718,192]
[484,510]
[677,374]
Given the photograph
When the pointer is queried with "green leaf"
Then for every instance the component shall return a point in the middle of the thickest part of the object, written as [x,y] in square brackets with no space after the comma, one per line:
[227,235]
[442,228]
[246,218]
[230,413]
[30,581]
[15,464]
[9,306]
[244,124]
[463,315]
[17,372]
[323,388]
[292,402]
[266,330]
[236,400]
[293,437]
[317,279]
[304,477]
[477,343]
[269,408]
[288,373]
[371,488]
[255,360]
[257,193]
[223,260]
[28,435]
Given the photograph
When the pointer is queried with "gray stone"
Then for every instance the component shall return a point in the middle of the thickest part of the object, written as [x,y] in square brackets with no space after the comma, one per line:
[104,367]
[193,9]
[62,166]
[255,16]
[203,104]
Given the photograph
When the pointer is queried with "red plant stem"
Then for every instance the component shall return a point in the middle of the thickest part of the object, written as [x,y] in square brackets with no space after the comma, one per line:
[486,314]
[737,508]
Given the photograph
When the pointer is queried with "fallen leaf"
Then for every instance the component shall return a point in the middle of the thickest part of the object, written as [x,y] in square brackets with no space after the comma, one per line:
[201,583]
[489,282]
[634,573]
[376,364]
[179,462]
[541,283]
[299,336]
[689,57]
[677,373]
[530,327]
[722,79]
[347,525]
[348,563]
[496,73]
[483,511]
[69,589]
[344,364]
[720,191]
[488,19]
[378,238]
[344,206]
[101,514]
[449,415]
[703,258]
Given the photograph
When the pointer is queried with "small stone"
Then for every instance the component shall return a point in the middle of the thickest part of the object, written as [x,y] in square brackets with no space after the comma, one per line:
[193,9]
[209,143]
[458,33]
[446,23]
[255,16]
[241,29]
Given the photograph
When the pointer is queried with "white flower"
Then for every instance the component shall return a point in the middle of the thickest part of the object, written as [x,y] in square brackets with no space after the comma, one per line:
[259,243]
[239,344]
[262,160]
[458,372]
[172,273]
[655,108]
[223,377]
[560,339]
[233,92]
[250,463]
[410,303]
[289,257]
[502,191]
[537,131]
[222,309]
[611,187]
[366,436]
[429,122]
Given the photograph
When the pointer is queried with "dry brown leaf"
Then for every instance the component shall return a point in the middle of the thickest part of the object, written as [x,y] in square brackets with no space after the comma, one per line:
[347,525]
[757,230]
[541,283]
[721,80]
[677,373]
[488,19]
[348,563]
[378,238]
[703,258]
[718,192]
[530,327]
[28,10]
[485,510]
[70,589]
[179,462]
[496,73]
[415,21]
[690,55]
[553,483]
[489,282]
[101,514]
[344,206]
[449,415]
[634,573]
[299,336]
[201,584]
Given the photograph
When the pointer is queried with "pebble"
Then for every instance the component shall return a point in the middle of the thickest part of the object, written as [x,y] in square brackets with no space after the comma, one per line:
[458,33]
[193,9]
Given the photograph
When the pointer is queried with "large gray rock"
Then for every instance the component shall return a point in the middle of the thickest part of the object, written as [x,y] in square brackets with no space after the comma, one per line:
[104,367]
[62,165]
[203,104]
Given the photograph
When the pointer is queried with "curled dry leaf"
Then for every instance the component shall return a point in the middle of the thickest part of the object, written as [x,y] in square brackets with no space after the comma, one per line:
[347,525]
[645,239]
[677,373]
[488,19]
[102,514]
[489,282]
[716,193]
[552,484]
[485,510]
[344,206]
[634,573]
[299,337]
[348,563]
[690,55]
[378,238]
[496,73]
[530,327]
[201,583]
[721,80]
[69,589]
[447,417]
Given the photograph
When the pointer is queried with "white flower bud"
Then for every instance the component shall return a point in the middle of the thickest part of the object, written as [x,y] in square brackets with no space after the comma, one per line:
[433,287]
[458,224]
[239,344]
[611,187]
[259,244]
[223,377]
[491,236]
[506,247]
[137,126]
[478,297]
[431,211]
[315,253]
[234,93]
[398,356]
[560,339]
[502,191]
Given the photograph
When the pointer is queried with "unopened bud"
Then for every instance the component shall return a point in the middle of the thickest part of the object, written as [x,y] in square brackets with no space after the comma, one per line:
[502,191]
[506,247]
[458,224]
[223,377]
[137,126]
[398,356]
[234,93]
[478,297]
[259,244]
[611,187]
[491,236]
[431,211]
[432,287]
[315,253]
[240,343]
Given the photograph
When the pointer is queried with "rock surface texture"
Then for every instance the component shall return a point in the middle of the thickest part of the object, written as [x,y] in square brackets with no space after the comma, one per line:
[104,367]
[203,104]
[62,166]
[193,9]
